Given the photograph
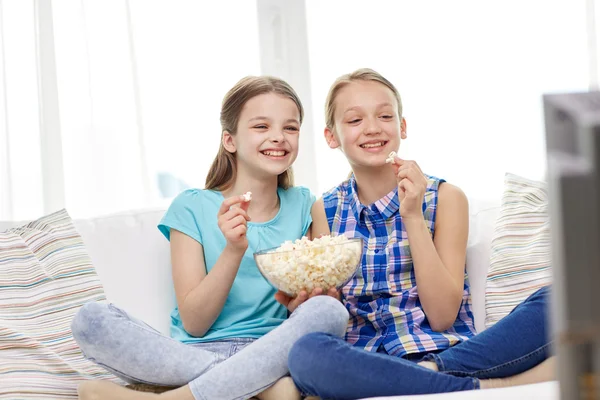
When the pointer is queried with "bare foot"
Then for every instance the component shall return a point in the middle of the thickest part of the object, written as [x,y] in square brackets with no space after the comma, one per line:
[283,389]
[429,365]
[104,390]
[542,372]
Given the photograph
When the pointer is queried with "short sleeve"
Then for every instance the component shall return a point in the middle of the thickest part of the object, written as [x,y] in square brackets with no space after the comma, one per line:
[184,215]
[307,199]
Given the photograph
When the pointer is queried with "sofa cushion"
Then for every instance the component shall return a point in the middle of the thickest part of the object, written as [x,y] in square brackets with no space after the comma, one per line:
[482,218]
[520,249]
[132,259]
[46,275]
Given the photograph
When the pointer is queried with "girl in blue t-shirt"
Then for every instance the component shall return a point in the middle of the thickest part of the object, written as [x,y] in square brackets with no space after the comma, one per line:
[224,305]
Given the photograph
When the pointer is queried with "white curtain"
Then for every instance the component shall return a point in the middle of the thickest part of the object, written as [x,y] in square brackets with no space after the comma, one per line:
[139,85]
[471,74]
[20,162]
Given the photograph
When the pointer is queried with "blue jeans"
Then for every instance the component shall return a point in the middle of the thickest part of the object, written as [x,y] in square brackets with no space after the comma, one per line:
[328,367]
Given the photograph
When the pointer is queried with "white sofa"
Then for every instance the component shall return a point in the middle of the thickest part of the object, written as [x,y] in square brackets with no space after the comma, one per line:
[132,260]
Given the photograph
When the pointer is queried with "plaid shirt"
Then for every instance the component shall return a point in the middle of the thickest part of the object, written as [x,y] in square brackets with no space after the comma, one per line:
[382,298]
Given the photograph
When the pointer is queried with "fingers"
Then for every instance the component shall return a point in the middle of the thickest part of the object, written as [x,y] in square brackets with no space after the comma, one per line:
[233,228]
[410,173]
[295,302]
[406,186]
[334,293]
[400,164]
[244,206]
[282,298]
[302,297]
[239,230]
[232,231]
[233,222]
[230,201]
[233,213]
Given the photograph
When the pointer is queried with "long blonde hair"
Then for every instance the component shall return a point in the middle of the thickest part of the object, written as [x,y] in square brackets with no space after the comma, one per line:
[223,170]
[363,74]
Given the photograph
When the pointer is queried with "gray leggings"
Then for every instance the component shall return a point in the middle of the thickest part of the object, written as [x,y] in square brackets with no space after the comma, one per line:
[135,352]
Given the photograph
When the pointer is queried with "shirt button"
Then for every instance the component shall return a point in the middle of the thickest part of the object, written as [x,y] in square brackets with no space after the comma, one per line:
[376,251]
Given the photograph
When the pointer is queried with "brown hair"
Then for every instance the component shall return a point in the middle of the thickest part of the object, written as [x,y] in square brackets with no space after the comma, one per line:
[363,74]
[222,172]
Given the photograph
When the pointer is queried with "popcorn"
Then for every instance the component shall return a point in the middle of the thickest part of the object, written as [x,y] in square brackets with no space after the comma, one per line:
[391,158]
[325,262]
[247,196]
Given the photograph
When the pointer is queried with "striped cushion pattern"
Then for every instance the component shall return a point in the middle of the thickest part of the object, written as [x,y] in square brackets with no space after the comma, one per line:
[520,249]
[46,275]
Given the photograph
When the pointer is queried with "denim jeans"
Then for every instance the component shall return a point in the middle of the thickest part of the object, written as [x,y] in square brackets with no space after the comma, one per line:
[230,369]
[328,367]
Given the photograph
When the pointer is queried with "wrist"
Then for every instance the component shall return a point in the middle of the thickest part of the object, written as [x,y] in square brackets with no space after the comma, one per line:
[234,251]
[413,220]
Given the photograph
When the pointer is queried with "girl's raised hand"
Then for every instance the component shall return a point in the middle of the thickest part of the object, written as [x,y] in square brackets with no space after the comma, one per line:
[232,222]
[411,188]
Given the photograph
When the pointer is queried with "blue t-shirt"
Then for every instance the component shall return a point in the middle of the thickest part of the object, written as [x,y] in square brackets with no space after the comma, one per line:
[250,310]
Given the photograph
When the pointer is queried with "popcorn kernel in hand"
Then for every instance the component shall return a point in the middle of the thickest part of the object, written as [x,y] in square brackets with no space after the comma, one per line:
[391,157]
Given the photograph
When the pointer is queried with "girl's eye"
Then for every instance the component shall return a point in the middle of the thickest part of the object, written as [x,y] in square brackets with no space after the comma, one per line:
[260,127]
[354,121]
[292,128]
[387,117]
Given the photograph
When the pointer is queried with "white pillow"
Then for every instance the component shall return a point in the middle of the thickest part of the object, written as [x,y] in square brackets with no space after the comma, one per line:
[520,251]
[482,219]
[46,275]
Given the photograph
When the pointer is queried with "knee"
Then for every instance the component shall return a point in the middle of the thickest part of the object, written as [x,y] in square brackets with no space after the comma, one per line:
[90,323]
[307,355]
[545,291]
[327,313]
[541,295]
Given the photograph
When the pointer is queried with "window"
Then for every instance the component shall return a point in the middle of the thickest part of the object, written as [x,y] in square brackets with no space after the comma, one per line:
[19,123]
[140,82]
[471,75]
[140,101]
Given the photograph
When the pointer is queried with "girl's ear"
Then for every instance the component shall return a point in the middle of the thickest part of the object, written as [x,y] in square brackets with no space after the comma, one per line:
[228,142]
[331,139]
[403,128]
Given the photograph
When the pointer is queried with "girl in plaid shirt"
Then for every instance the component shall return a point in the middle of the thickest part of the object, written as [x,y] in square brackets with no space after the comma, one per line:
[410,297]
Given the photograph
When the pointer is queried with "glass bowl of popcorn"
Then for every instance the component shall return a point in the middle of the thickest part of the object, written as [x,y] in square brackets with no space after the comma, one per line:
[325,262]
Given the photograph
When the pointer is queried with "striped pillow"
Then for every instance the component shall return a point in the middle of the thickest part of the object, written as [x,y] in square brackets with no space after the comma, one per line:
[45,277]
[520,249]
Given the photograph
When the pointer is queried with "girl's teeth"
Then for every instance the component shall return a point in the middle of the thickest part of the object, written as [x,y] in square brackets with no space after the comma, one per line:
[274,153]
[373,144]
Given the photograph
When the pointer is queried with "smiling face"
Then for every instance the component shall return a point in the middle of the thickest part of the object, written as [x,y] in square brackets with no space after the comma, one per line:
[367,124]
[266,141]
